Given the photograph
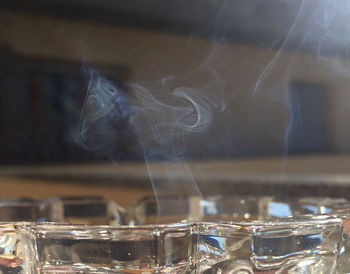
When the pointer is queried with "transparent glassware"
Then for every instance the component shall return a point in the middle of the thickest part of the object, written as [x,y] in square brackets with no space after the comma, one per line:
[229,208]
[31,210]
[59,248]
[73,210]
[298,245]
[212,235]
[221,209]
[92,210]
[17,250]
[293,245]
[340,208]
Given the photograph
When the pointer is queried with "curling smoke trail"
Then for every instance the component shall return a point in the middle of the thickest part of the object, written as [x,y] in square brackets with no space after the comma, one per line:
[160,128]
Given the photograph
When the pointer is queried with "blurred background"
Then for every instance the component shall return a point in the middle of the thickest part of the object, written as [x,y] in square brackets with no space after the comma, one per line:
[280,68]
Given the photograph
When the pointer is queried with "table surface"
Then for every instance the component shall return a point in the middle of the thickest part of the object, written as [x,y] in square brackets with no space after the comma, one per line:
[125,182]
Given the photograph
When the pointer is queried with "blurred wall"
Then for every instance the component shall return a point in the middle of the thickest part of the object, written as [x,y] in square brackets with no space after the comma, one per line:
[258,110]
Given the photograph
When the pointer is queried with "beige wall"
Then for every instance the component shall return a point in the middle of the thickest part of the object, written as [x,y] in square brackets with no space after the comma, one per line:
[145,52]
[151,55]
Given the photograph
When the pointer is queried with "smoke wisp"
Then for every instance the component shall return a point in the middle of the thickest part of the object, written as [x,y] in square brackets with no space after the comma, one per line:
[110,114]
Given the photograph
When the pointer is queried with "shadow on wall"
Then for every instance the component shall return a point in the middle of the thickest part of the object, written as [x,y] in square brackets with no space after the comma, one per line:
[308,110]
[40,104]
